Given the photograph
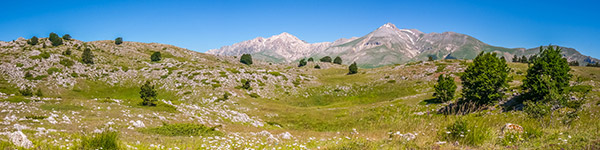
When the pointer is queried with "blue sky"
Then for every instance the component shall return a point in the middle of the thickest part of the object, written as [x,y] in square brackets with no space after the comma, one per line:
[204,25]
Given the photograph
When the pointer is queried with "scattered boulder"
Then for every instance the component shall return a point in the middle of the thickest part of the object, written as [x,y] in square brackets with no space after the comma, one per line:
[138,124]
[20,139]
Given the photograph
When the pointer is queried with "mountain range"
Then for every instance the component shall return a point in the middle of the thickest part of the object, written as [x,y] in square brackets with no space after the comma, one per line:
[384,46]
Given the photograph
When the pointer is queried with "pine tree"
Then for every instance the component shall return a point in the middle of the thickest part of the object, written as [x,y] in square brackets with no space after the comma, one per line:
[310,59]
[55,39]
[66,37]
[119,41]
[246,59]
[148,94]
[326,59]
[523,59]
[33,41]
[155,57]
[445,88]
[549,64]
[87,56]
[317,66]
[337,60]
[353,69]
[515,59]
[485,79]
[302,63]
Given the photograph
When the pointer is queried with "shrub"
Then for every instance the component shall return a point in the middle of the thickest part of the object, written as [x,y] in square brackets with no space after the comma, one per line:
[485,79]
[466,133]
[353,69]
[155,57]
[302,63]
[119,41]
[337,60]
[28,75]
[55,39]
[246,59]
[26,92]
[445,88]
[310,59]
[87,56]
[254,95]
[107,140]
[246,84]
[224,98]
[66,62]
[33,41]
[549,64]
[53,70]
[67,52]
[326,59]
[39,93]
[148,94]
[44,55]
[317,66]
[183,129]
[67,37]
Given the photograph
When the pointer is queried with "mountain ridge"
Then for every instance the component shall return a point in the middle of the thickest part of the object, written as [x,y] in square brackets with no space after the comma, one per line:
[384,46]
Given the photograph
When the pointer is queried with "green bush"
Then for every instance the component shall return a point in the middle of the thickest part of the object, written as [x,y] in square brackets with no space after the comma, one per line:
[53,70]
[445,88]
[119,41]
[67,37]
[246,84]
[485,80]
[465,133]
[87,56]
[317,66]
[26,92]
[182,129]
[66,62]
[55,39]
[246,59]
[155,57]
[44,55]
[337,60]
[148,94]
[28,75]
[310,59]
[302,63]
[67,52]
[107,140]
[33,41]
[254,95]
[326,59]
[353,69]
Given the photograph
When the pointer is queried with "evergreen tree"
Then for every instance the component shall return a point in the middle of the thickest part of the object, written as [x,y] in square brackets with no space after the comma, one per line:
[445,88]
[155,57]
[317,66]
[246,84]
[430,58]
[87,56]
[310,59]
[302,63]
[574,63]
[119,41]
[523,59]
[515,59]
[246,59]
[33,41]
[67,37]
[326,59]
[485,79]
[148,94]
[67,52]
[55,39]
[549,75]
[353,69]
[337,60]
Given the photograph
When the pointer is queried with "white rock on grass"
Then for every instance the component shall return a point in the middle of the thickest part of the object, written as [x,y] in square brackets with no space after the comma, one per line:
[285,135]
[20,139]
[138,124]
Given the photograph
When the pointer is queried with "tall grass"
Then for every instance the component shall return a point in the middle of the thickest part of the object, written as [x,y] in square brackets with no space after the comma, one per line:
[182,129]
[108,140]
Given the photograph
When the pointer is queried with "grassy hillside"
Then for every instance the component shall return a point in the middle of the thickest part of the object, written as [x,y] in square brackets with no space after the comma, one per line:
[287,107]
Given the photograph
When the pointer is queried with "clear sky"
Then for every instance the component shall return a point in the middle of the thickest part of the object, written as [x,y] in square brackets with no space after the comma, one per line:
[204,25]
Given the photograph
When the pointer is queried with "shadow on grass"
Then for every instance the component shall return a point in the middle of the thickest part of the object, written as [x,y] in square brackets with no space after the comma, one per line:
[430,101]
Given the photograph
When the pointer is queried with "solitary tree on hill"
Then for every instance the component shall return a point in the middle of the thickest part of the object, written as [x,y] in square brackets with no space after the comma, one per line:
[353,69]
[551,65]
[119,41]
[155,57]
[55,39]
[302,63]
[326,59]
[337,60]
[66,37]
[445,88]
[148,94]
[33,41]
[246,59]
[310,59]
[485,79]
[87,56]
